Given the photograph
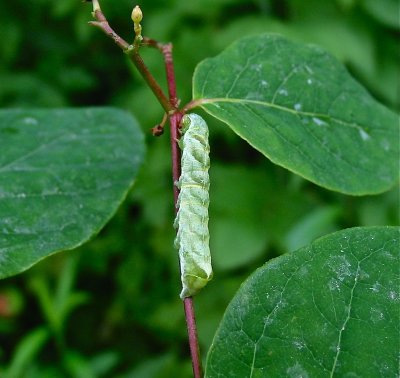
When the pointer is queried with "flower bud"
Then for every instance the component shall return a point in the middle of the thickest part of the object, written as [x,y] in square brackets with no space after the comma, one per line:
[137,14]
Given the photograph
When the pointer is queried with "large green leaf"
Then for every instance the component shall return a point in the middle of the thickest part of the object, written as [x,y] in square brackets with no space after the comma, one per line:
[299,106]
[328,309]
[63,174]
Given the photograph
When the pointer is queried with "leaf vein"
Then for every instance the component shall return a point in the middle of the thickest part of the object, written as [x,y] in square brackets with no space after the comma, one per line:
[346,320]
[284,109]
[32,152]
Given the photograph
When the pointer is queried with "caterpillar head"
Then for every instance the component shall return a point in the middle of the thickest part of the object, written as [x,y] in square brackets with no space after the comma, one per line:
[185,123]
[195,123]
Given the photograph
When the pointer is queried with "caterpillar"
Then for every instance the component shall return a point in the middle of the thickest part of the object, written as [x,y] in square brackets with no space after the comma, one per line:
[192,239]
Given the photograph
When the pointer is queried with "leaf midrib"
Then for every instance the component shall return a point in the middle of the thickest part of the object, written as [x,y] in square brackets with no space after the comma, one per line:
[326,117]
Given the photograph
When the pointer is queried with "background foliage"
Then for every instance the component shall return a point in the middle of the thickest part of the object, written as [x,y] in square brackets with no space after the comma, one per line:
[112,308]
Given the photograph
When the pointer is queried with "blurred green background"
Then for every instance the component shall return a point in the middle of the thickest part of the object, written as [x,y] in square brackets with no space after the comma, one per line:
[111,308]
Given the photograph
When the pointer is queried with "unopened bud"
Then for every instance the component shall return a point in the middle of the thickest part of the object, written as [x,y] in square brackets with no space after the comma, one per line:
[157,130]
[96,6]
[137,14]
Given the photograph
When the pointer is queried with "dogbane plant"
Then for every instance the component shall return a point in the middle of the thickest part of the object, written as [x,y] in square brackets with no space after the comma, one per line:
[311,312]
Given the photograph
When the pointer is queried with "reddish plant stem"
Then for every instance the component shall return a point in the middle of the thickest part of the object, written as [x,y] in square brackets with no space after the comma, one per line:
[144,71]
[174,121]
[102,23]
[174,118]
[193,340]
[169,67]
[152,43]
[176,172]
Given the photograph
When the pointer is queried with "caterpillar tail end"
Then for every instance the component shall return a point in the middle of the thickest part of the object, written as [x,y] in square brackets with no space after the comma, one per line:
[192,284]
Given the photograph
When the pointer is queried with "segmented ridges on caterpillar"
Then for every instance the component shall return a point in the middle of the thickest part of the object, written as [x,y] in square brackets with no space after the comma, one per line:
[192,238]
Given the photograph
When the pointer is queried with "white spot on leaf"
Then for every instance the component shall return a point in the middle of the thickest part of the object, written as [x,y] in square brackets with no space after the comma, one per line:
[376,315]
[319,122]
[334,285]
[30,121]
[392,295]
[376,287]
[297,371]
[268,320]
[364,135]
[385,145]
[298,344]
[340,267]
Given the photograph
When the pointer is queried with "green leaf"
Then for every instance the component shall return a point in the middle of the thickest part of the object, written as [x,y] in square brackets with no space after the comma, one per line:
[77,365]
[26,352]
[328,309]
[63,173]
[298,106]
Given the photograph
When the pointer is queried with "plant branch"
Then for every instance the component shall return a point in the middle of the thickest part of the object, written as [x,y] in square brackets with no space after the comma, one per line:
[149,42]
[169,67]
[194,104]
[170,106]
[174,118]
[152,83]
[193,339]
[102,23]
[176,172]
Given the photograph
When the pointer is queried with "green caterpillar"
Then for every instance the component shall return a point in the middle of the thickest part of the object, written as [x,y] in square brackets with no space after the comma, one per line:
[192,239]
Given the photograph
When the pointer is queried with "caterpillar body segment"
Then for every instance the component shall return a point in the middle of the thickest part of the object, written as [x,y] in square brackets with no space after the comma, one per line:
[192,239]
